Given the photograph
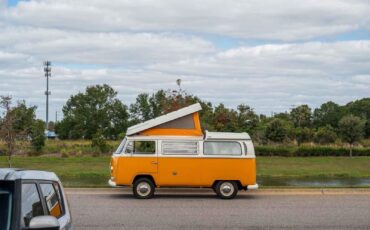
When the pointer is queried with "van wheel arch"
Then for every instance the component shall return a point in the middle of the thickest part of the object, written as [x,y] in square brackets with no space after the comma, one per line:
[240,187]
[150,177]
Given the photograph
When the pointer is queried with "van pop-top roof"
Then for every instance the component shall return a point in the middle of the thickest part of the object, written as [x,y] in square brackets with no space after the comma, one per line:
[182,122]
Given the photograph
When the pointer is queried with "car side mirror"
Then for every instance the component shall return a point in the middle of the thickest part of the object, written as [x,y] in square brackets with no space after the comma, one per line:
[44,223]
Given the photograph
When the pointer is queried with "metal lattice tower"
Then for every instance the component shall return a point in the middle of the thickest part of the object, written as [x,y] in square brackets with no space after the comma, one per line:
[47,70]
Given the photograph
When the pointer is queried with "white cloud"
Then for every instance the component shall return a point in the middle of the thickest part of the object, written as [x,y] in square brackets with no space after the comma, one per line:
[281,75]
[268,77]
[276,20]
[122,49]
[143,46]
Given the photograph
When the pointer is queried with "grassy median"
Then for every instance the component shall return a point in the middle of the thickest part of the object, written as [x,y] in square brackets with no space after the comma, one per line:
[94,171]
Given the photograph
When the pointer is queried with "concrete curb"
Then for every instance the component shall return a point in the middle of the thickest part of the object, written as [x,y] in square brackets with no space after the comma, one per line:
[264,191]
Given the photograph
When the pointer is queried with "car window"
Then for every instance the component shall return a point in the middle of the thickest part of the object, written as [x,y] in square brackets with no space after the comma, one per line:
[120,147]
[140,147]
[179,147]
[222,148]
[6,201]
[31,203]
[52,200]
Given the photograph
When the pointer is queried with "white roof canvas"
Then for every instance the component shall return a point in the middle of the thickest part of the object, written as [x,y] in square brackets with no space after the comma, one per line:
[226,135]
[163,119]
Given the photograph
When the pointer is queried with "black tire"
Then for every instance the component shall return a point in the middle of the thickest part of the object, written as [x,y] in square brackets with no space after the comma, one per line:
[221,187]
[145,183]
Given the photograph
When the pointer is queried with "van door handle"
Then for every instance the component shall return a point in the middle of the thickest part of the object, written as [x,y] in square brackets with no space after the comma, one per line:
[154,162]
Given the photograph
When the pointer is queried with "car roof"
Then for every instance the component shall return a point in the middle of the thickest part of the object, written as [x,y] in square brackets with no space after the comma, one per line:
[24,174]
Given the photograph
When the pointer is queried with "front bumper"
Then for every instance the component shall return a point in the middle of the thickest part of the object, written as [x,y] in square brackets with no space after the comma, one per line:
[112,183]
[252,187]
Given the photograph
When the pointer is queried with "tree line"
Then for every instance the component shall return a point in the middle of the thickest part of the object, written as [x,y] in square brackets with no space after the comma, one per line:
[97,113]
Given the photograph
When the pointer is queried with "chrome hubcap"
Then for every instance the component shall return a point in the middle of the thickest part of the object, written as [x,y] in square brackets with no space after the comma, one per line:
[143,189]
[227,189]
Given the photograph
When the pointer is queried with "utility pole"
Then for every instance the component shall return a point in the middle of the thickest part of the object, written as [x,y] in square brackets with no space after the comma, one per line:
[47,70]
[178,82]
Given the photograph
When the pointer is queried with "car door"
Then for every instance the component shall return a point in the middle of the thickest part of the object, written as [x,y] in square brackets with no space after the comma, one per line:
[179,163]
[140,158]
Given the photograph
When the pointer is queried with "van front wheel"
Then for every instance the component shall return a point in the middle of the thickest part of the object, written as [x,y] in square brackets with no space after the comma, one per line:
[143,188]
[226,189]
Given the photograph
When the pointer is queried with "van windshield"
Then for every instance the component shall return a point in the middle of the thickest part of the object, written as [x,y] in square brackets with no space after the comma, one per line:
[120,147]
[6,201]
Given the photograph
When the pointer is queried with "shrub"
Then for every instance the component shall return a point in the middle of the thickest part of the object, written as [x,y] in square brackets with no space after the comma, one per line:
[308,151]
[121,136]
[38,142]
[37,136]
[64,153]
[276,131]
[274,151]
[303,135]
[325,135]
[100,143]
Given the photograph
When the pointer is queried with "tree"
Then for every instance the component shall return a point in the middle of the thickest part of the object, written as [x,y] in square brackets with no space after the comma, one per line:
[16,123]
[95,109]
[247,119]
[303,135]
[147,107]
[360,108]
[276,130]
[351,129]
[325,135]
[161,102]
[8,132]
[37,135]
[301,116]
[225,119]
[329,113]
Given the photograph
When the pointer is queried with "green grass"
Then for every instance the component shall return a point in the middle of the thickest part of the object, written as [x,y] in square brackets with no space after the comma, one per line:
[329,167]
[94,171]
[58,147]
[73,171]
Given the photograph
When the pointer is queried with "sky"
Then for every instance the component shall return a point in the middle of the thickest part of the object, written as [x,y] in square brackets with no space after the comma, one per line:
[271,55]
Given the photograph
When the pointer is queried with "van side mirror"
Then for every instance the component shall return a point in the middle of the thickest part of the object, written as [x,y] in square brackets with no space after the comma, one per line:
[44,223]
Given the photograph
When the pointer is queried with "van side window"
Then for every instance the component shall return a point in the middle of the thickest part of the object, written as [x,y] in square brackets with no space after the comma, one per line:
[52,200]
[129,147]
[179,147]
[120,147]
[245,148]
[222,148]
[141,147]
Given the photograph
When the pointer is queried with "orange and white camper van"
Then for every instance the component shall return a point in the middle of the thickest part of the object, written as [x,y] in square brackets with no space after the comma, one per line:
[172,151]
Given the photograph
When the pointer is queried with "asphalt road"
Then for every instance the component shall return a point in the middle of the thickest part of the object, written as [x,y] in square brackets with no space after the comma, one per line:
[193,209]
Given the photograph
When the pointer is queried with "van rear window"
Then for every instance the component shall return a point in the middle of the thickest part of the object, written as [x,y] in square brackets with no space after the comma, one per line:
[222,148]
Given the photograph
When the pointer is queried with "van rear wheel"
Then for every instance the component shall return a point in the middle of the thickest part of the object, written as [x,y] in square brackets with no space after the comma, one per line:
[226,189]
[143,188]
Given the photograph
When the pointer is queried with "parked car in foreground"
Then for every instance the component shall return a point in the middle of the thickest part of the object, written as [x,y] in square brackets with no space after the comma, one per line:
[31,199]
